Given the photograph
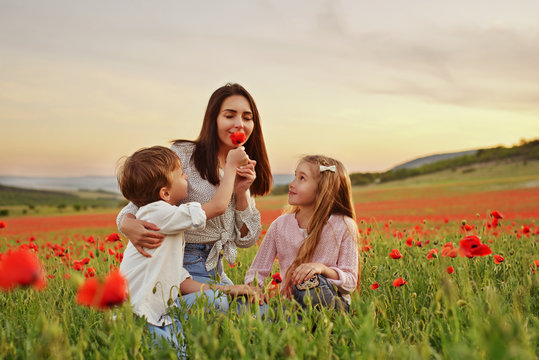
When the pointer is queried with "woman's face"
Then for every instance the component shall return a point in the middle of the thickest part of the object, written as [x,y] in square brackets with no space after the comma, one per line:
[235,115]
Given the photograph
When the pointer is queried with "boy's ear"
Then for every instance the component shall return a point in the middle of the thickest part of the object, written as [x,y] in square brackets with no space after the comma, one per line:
[164,194]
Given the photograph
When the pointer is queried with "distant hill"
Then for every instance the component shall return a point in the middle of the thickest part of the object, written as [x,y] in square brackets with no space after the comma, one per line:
[435,163]
[431,159]
[10,195]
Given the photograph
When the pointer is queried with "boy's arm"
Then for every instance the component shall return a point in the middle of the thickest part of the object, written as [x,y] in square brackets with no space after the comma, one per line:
[219,203]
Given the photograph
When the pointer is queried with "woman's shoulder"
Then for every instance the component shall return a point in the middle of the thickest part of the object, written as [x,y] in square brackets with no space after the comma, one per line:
[183,146]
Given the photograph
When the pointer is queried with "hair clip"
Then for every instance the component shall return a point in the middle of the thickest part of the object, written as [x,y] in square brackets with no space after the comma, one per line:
[327,168]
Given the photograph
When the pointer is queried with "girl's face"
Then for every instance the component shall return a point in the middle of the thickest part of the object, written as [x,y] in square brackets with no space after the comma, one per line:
[235,115]
[302,190]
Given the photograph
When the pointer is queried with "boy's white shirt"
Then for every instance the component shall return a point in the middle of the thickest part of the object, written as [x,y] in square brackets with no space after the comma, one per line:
[164,270]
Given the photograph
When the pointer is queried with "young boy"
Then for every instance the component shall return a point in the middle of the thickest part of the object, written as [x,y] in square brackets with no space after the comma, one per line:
[152,178]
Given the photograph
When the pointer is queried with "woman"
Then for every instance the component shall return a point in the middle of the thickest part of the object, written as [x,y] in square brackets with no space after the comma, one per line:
[230,109]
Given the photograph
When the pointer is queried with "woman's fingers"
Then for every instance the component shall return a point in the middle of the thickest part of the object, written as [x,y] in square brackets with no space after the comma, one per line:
[140,249]
[150,226]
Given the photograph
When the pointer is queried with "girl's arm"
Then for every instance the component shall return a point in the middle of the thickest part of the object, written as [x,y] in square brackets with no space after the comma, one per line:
[142,234]
[263,261]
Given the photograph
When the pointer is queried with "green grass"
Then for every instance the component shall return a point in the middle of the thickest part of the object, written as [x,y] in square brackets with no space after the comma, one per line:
[481,311]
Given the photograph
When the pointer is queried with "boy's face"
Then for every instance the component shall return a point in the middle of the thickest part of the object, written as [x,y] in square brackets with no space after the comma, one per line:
[178,186]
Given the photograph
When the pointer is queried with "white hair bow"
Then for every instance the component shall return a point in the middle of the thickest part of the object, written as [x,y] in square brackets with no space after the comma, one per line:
[327,168]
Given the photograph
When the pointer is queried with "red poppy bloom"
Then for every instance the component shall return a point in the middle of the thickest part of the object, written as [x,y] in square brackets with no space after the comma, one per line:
[375,285]
[232,265]
[2,225]
[111,251]
[496,214]
[450,270]
[471,246]
[67,276]
[498,259]
[238,138]
[536,263]
[419,244]
[21,268]
[409,242]
[112,291]
[449,251]
[525,229]
[113,237]
[276,279]
[395,254]
[432,253]
[399,282]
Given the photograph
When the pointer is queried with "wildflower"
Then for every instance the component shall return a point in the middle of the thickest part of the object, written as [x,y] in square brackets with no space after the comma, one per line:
[471,246]
[395,254]
[449,251]
[2,225]
[111,251]
[399,282]
[276,279]
[233,265]
[21,268]
[90,240]
[113,237]
[498,259]
[67,276]
[525,229]
[419,244]
[450,270]
[375,285]
[112,291]
[409,241]
[238,138]
[432,253]
[496,214]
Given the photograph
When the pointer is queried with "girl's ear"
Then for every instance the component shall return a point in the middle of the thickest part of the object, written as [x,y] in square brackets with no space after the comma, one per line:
[164,194]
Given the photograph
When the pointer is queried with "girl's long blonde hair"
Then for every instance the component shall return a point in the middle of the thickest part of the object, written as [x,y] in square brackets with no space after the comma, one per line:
[333,197]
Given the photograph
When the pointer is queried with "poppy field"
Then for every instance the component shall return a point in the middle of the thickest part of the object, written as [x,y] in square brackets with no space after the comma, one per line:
[451,279]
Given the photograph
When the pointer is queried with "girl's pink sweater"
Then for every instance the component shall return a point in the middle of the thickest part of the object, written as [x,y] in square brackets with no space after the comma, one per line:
[337,249]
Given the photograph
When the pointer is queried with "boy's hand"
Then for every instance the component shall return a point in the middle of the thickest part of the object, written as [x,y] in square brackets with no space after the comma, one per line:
[237,157]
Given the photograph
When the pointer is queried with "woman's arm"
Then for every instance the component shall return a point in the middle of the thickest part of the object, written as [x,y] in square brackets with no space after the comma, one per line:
[142,234]
[189,286]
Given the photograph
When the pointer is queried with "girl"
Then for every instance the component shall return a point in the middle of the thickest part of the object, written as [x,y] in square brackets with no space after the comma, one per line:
[316,241]
[230,109]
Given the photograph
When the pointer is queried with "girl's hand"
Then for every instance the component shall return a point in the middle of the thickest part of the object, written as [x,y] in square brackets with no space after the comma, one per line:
[142,234]
[237,157]
[306,271]
[245,176]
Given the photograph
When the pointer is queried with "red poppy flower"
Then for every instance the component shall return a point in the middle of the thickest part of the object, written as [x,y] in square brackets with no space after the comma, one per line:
[399,282]
[496,214]
[432,253]
[113,237]
[111,251]
[232,265]
[409,242]
[238,138]
[112,291]
[2,225]
[395,254]
[67,276]
[536,263]
[21,268]
[419,244]
[375,285]
[471,246]
[276,279]
[495,223]
[498,259]
[525,229]
[449,251]
[450,270]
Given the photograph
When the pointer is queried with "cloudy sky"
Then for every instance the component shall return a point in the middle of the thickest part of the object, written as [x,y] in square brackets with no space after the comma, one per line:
[373,84]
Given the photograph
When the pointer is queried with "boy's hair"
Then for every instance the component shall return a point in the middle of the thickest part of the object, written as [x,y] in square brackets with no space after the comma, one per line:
[333,196]
[143,174]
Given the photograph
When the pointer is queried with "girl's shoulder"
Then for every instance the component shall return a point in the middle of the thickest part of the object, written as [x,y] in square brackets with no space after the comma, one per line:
[284,220]
[342,221]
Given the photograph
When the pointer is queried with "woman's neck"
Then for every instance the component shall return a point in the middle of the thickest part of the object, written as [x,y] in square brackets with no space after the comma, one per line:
[221,156]
[303,215]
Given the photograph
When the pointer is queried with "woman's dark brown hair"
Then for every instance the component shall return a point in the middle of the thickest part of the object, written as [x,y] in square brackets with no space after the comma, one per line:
[207,143]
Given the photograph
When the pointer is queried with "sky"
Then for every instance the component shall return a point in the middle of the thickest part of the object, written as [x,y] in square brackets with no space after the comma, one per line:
[373,84]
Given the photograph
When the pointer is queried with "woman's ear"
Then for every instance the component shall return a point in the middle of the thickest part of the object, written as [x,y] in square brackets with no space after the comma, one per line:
[164,194]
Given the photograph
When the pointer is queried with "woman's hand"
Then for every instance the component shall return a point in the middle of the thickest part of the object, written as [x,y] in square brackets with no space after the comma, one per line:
[306,271]
[142,234]
[245,176]
[253,293]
